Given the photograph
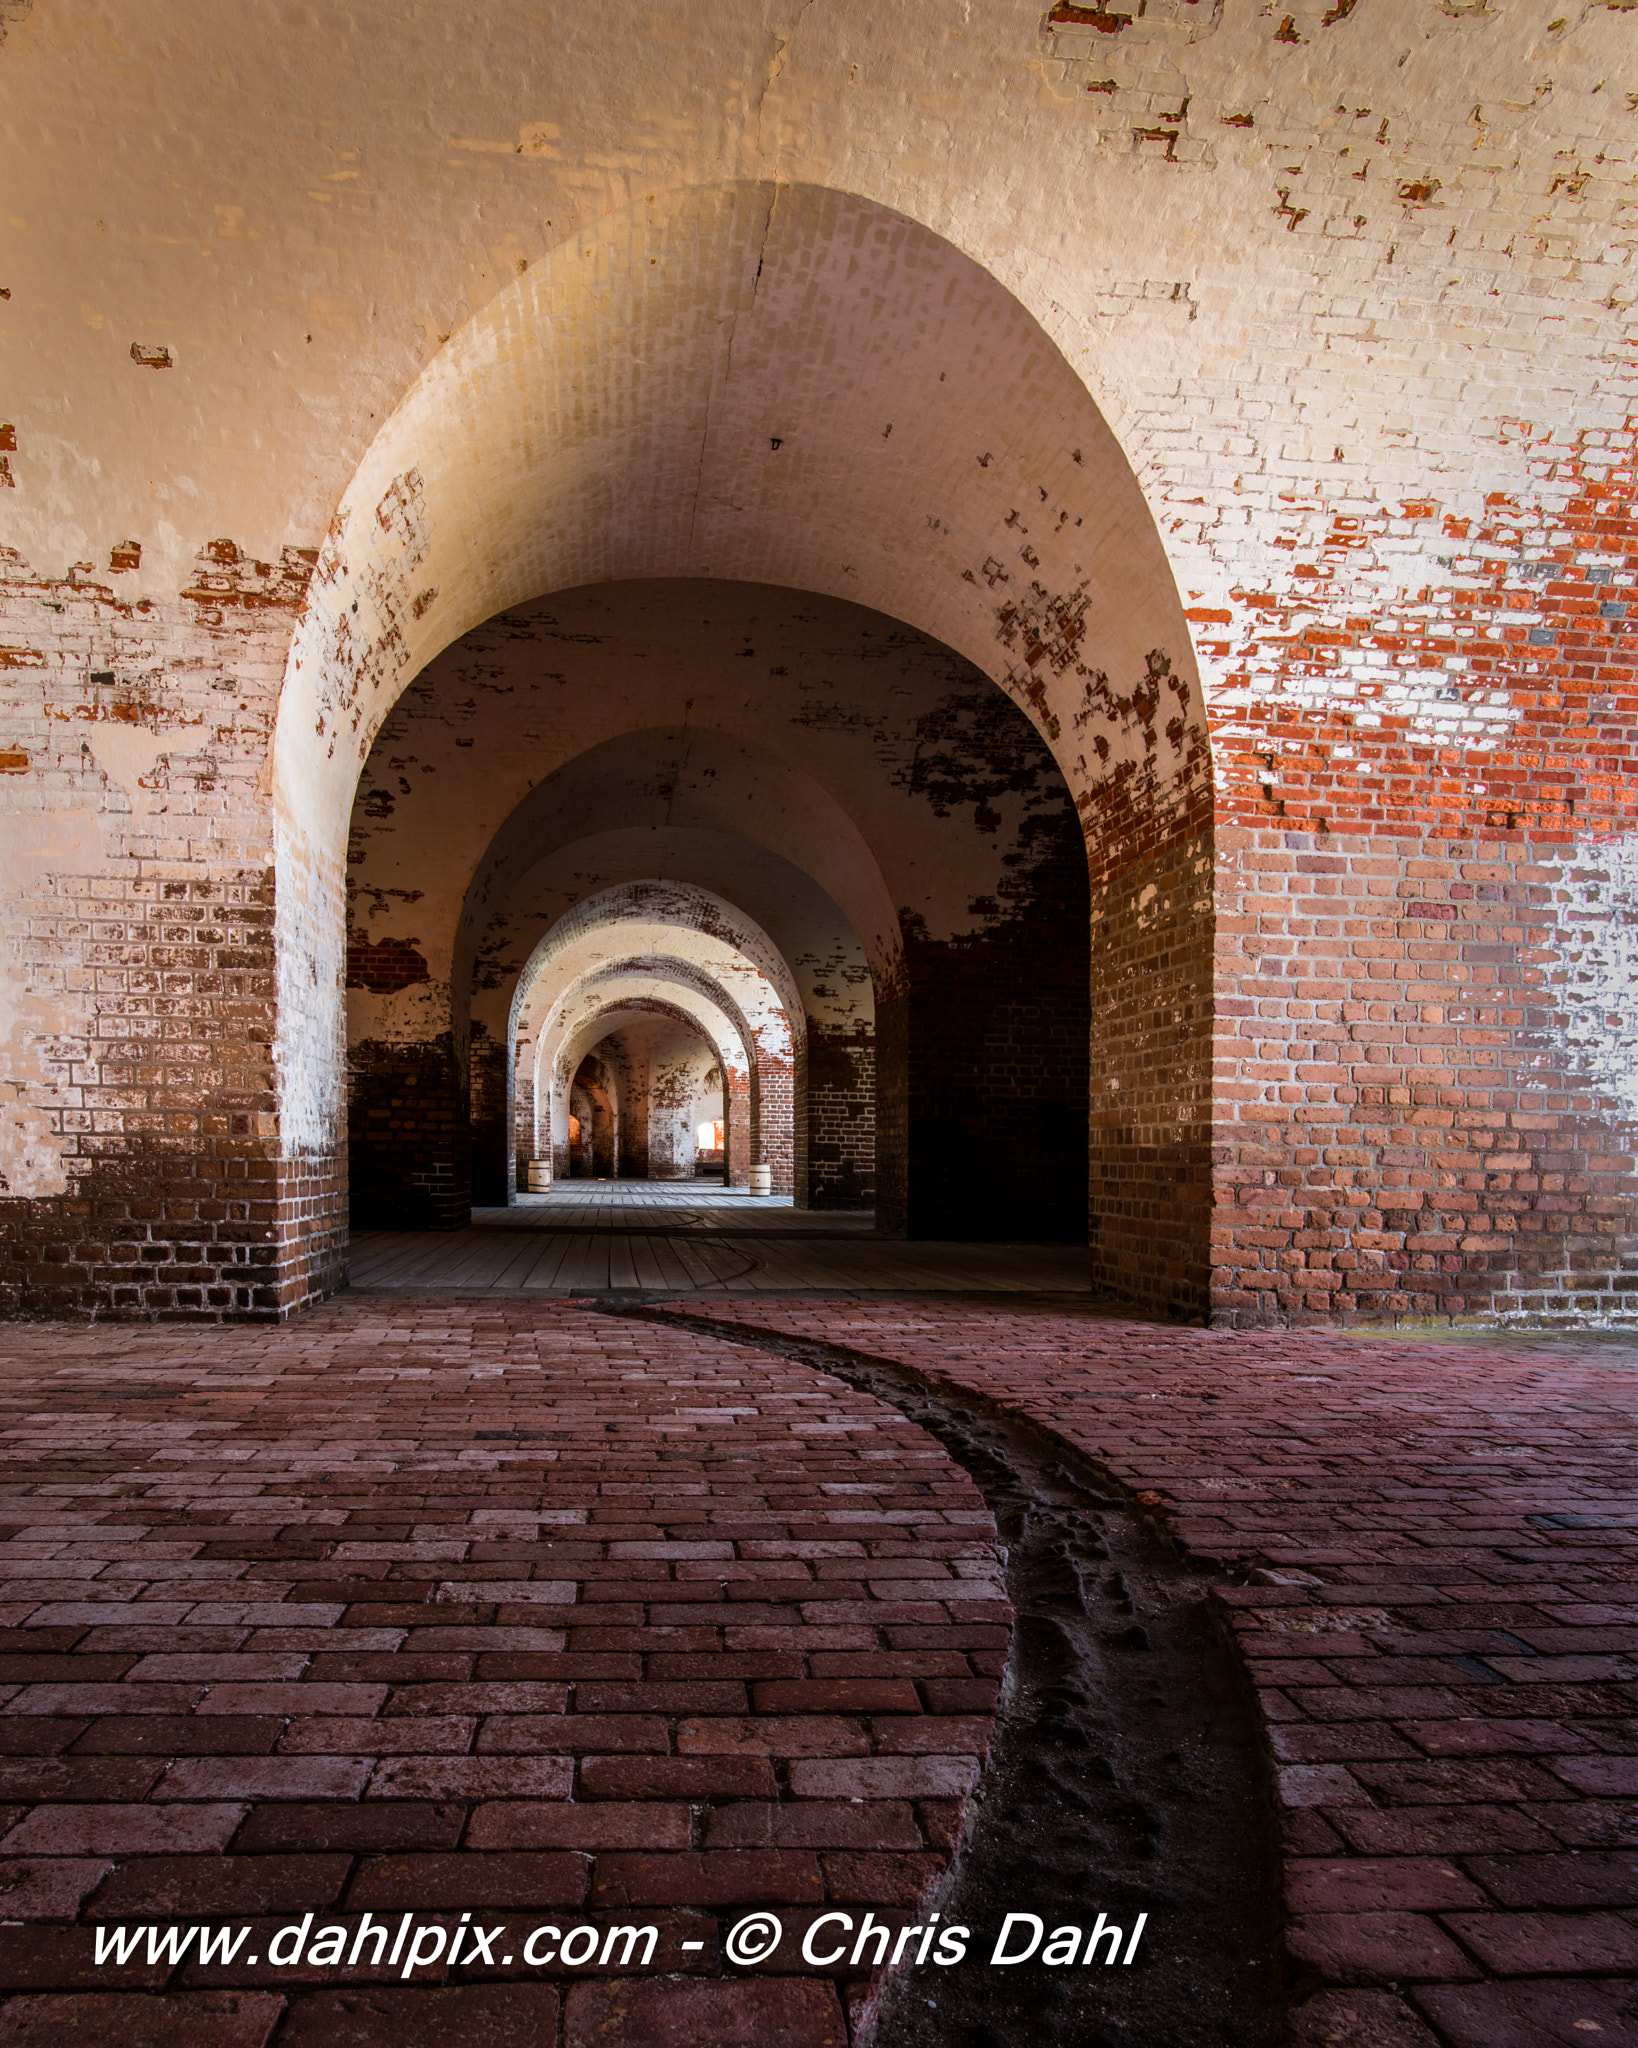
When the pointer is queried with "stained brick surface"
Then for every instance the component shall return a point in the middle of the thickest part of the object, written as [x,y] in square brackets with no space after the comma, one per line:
[140,913]
[1432,1567]
[1270,447]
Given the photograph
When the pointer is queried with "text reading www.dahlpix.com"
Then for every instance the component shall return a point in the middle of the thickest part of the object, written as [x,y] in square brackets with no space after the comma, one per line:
[404,1944]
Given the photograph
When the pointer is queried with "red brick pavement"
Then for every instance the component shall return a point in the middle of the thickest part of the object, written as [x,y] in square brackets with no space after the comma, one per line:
[445,1608]
[1441,1624]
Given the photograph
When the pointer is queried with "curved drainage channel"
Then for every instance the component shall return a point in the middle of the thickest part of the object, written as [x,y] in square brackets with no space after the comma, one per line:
[1126,1775]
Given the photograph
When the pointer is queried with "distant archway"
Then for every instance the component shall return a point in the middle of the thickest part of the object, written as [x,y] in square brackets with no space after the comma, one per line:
[598,1007]
[698,951]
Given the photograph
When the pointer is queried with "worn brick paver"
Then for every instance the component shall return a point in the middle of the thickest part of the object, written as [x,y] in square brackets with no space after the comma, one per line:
[1441,1623]
[440,1608]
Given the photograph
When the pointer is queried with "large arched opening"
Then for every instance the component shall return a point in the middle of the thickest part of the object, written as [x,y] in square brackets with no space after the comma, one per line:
[761,519]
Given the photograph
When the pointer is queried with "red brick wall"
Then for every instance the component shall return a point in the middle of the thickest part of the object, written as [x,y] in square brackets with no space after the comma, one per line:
[998,1079]
[526,1141]
[145,1176]
[773,1144]
[1423,1101]
[409,1136]
[738,1101]
[996,1049]
[1150,1079]
[313,1230]
[490,1126]
[1408,1135]
[835,1119]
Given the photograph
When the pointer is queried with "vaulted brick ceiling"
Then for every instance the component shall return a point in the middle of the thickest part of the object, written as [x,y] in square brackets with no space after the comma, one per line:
[331,336]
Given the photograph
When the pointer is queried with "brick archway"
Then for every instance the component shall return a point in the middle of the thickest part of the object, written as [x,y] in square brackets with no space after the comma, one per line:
[675,934]
[584,1016]
[1044,569]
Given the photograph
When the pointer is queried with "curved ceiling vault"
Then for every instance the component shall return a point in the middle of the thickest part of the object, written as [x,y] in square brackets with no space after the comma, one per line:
[697,780]
[779,384]
[826,978]
[824,767]
[686,928]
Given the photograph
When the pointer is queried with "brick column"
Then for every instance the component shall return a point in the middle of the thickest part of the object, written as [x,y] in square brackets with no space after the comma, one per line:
[409,1137]
[834,1118]
[491,1148]
[772,1139]
[526,1140]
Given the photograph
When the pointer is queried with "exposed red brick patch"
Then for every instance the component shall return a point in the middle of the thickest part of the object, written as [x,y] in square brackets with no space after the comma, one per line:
[1103,19]
[384,966]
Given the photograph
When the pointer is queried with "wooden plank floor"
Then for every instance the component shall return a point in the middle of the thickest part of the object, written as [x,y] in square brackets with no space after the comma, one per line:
[635,1237]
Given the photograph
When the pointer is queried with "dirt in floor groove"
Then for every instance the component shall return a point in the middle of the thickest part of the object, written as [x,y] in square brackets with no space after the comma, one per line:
[1127,1776]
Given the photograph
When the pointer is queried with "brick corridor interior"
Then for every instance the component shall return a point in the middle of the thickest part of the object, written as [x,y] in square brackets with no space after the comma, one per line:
[534,1613]
[791,796]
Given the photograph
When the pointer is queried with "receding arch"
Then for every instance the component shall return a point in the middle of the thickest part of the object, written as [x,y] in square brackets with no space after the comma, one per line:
[595,949]
[701,780]
[791,385]
[804,927]
[624,918]
[775,1012]
[594,1009]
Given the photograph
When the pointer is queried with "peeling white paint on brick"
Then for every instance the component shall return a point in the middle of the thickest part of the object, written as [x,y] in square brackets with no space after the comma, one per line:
[1597,976]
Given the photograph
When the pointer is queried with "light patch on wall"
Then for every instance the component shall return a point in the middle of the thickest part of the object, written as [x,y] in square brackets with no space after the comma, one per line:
[30,1161]
[1438,707]
[309,1045]
[126,754]
[1600,989]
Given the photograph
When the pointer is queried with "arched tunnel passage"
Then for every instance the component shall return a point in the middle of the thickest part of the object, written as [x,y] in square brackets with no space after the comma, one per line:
[938,500]
[668,949]
[855,838]
[667,1080]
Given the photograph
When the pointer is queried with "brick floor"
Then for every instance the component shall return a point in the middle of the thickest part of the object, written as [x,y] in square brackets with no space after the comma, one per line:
[440,1609]
[535,1614]
[1439,1610]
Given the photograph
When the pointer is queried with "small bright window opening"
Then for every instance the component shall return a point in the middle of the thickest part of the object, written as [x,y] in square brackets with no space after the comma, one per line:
[709,1137]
